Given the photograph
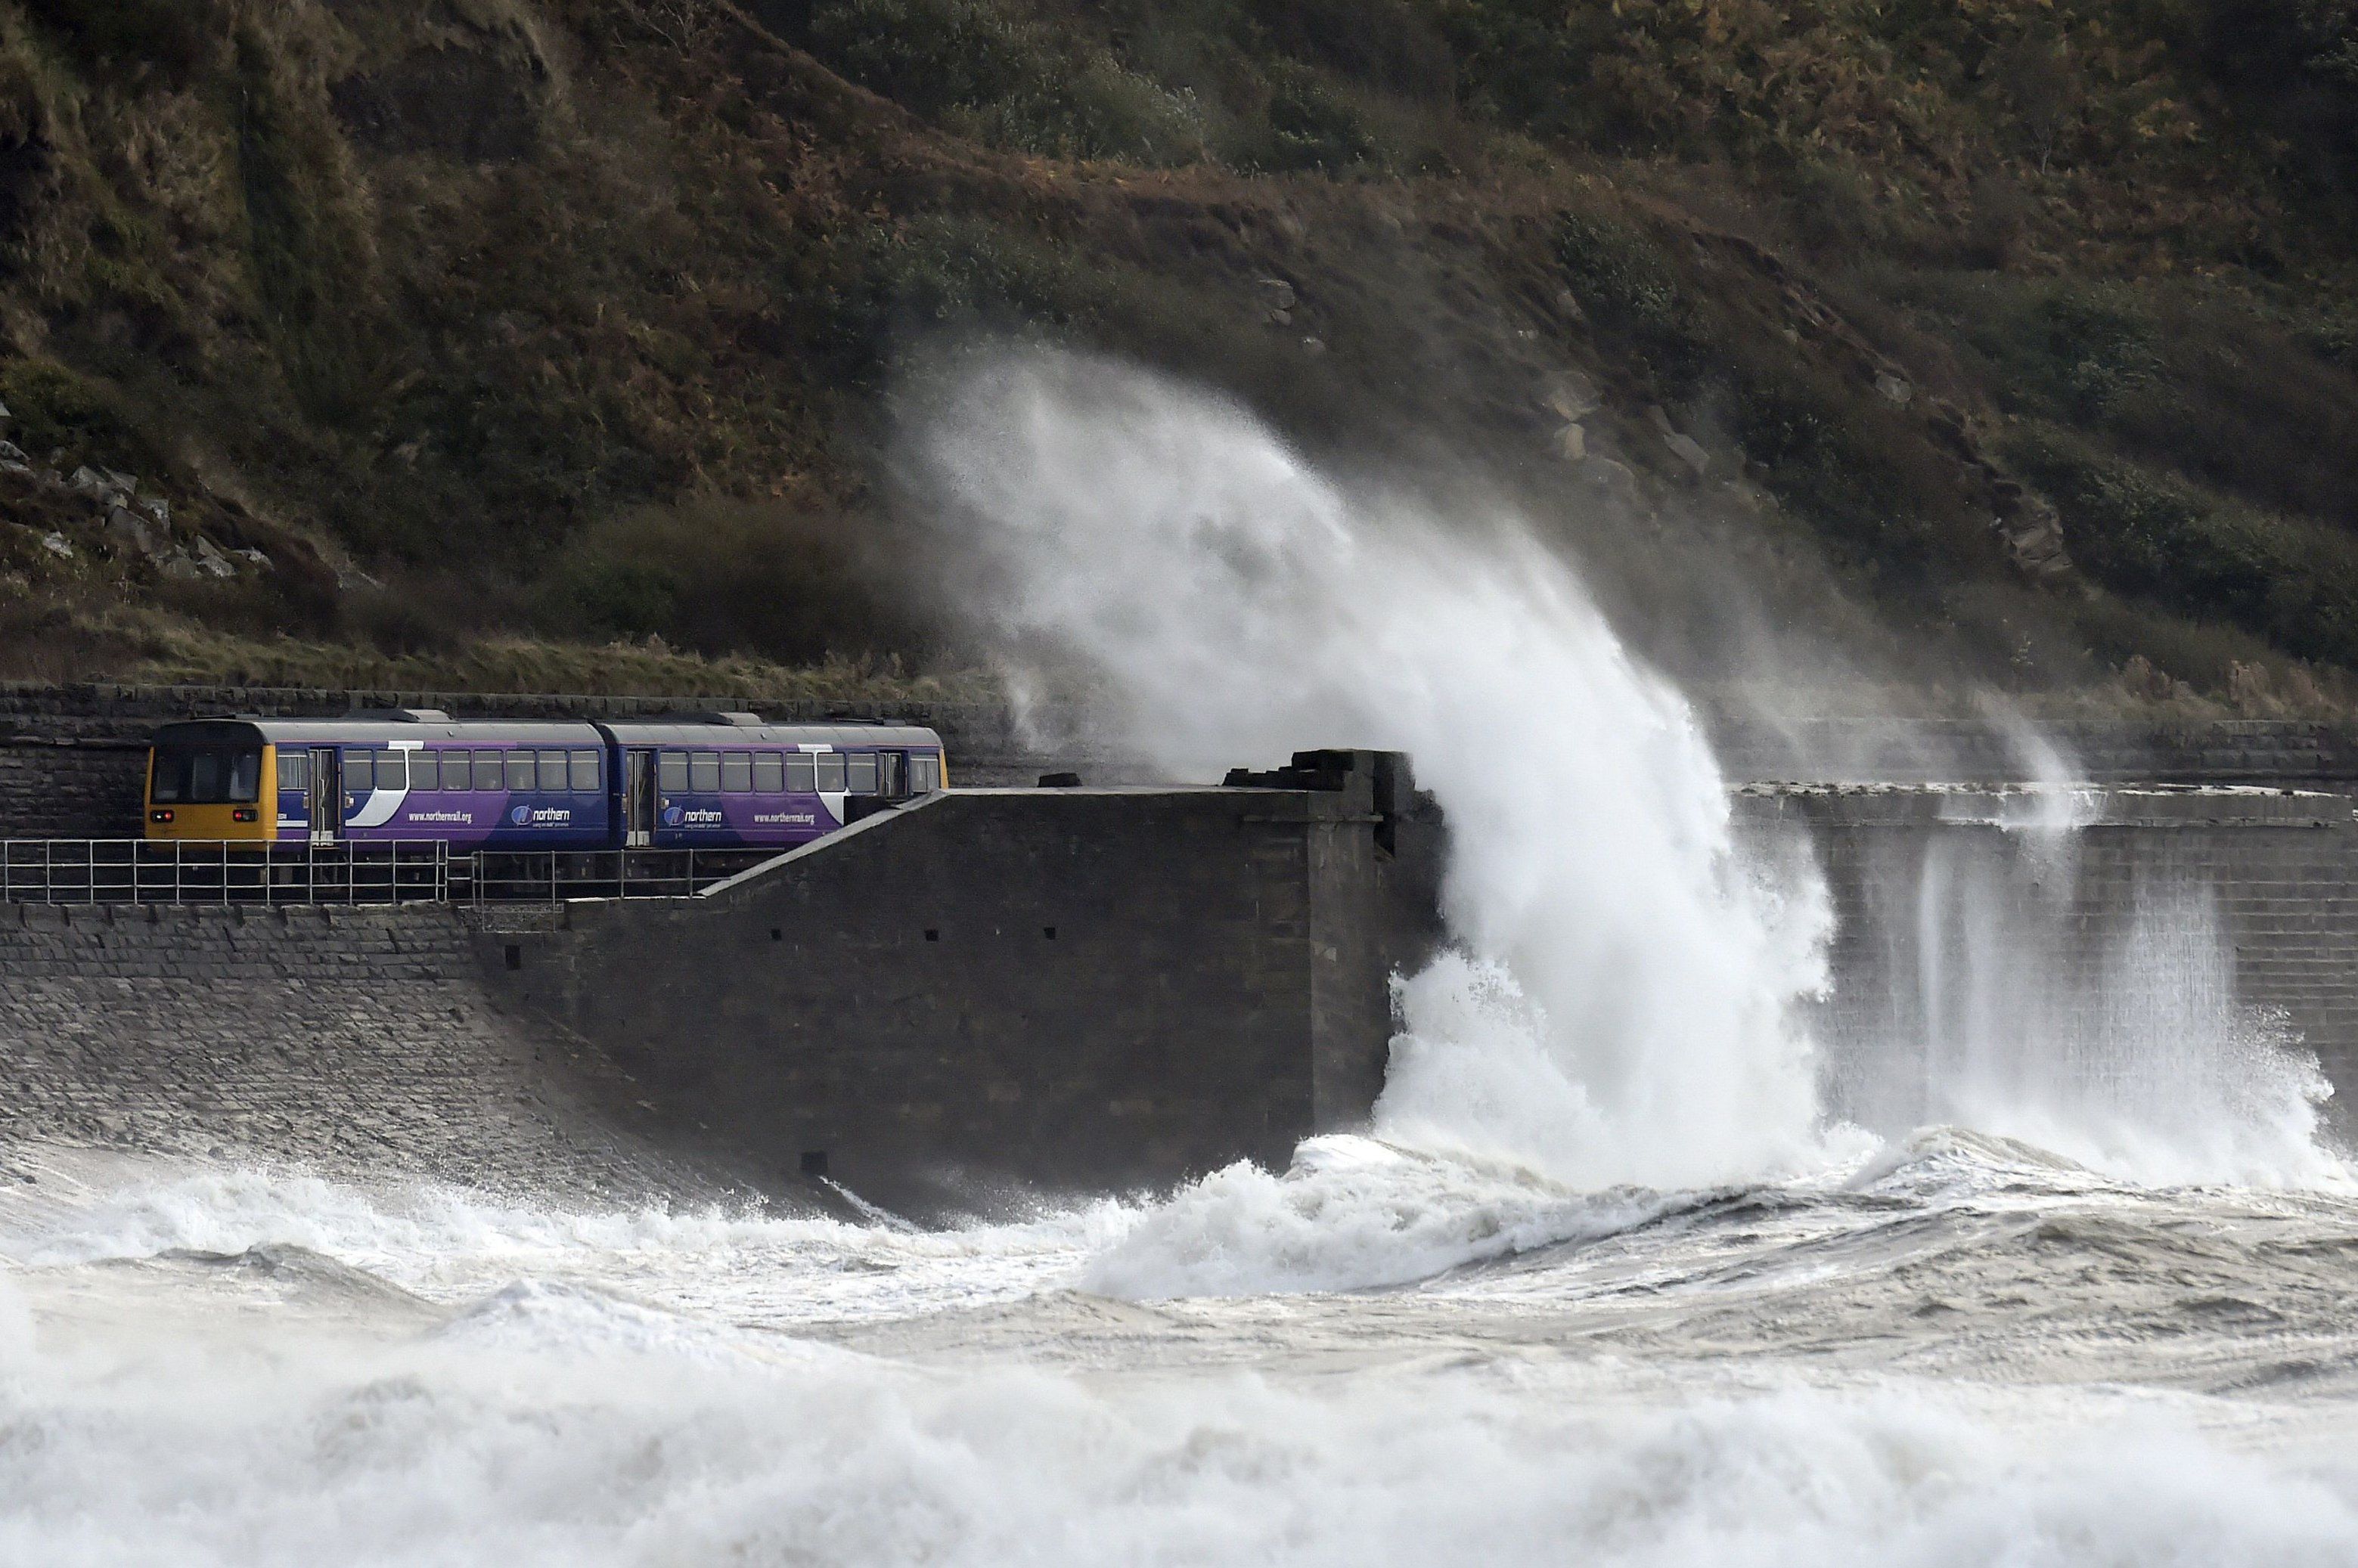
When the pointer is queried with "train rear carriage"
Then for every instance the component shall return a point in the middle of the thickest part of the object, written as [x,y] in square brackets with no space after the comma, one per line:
[374,778]
[730,780]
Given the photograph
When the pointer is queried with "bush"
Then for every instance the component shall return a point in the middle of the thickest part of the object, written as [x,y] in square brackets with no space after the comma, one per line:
[719,576]
[1015,82]
[173,35]
[2170,543]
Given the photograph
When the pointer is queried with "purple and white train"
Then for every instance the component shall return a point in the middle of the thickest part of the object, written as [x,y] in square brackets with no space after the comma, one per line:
[722,781]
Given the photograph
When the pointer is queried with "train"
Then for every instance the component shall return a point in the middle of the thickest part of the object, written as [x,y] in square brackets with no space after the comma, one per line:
[711,781]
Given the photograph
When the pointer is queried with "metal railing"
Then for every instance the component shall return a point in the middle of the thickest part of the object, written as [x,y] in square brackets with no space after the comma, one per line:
[186,871]
[138,870]
[551,876]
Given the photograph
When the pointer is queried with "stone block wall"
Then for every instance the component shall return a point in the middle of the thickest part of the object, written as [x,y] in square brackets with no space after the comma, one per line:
[350,1042]
[1066,989]
[2107,938]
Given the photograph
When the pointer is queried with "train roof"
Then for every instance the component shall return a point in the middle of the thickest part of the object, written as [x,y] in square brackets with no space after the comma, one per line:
[737,731]
[425,726]
[372,730]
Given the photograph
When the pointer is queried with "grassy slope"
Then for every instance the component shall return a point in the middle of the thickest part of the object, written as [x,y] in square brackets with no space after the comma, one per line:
[517,333]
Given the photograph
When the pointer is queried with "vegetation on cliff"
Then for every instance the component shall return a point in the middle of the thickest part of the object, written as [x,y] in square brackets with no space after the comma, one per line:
[2000,342]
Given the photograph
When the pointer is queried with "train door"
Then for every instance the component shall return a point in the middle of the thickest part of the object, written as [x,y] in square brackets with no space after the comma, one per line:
[639,798]
[892,774]
[326,806]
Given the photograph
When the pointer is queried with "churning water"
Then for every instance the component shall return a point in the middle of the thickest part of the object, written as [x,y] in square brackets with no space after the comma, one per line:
[1633,1270]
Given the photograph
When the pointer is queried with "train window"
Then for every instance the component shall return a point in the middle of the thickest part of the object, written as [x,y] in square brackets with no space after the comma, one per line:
[862,771]
[737,771]
[831,771]
[551,770]
[704,772]
[520,771]
[206,776]
[583,770]
[294,770]
[671,772]
[425,770]
[360,771]
[924,773]
[769,773]
[489,771]
[802,773]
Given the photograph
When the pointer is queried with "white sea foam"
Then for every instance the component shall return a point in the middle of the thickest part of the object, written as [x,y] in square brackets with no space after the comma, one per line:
[1350,1214]
[431,1456]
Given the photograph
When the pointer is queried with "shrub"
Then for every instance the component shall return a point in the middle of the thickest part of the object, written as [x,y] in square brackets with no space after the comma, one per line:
[1016,83]
[2144,534]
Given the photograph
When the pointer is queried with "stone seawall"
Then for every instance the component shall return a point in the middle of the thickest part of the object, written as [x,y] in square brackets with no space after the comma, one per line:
[1065,988]
[352,1041]
[982,992]
[1963,928]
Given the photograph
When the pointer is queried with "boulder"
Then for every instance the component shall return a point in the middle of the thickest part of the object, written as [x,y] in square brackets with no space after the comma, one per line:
[211,562]
[1573,399]
[127,534]
[103,485]
[1689,450]
[1572,443]
[1276,294]
[1894,390]
[57,544]
[2033,532]
[1613,477]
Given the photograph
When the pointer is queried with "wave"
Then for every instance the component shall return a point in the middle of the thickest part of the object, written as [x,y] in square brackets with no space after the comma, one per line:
[1352,1214]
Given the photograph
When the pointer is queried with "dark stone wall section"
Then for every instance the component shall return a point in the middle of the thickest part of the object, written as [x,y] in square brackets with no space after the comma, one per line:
[2279,870]
[1051,989]
[352,1041]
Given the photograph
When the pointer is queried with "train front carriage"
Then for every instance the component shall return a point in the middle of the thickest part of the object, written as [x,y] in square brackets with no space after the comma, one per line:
[211,779]
[407,775]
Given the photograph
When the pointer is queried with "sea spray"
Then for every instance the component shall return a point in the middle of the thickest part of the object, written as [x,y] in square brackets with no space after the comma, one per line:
[1630,979]
[2001,982]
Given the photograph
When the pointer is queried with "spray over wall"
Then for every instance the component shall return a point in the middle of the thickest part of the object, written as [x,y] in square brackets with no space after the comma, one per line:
[1623,1006]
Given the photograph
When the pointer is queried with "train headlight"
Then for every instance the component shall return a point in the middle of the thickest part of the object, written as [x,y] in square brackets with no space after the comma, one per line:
[161,816]
[243,814]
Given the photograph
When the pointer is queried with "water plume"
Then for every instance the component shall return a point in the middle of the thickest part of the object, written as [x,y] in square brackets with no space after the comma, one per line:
[1624,1007]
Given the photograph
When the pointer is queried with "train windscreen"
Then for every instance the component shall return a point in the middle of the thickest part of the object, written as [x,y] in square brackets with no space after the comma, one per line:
[207,776]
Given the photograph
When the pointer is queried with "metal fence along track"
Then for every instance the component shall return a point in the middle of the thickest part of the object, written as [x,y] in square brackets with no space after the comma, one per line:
[189,872]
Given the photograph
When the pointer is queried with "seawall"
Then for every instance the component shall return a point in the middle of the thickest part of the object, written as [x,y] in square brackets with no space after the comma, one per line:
[1077,990]
[1022,990]
[980,995]
[1963,924]
[360,1041]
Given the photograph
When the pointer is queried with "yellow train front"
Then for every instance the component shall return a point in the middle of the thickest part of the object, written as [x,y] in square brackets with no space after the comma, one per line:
[214,779]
